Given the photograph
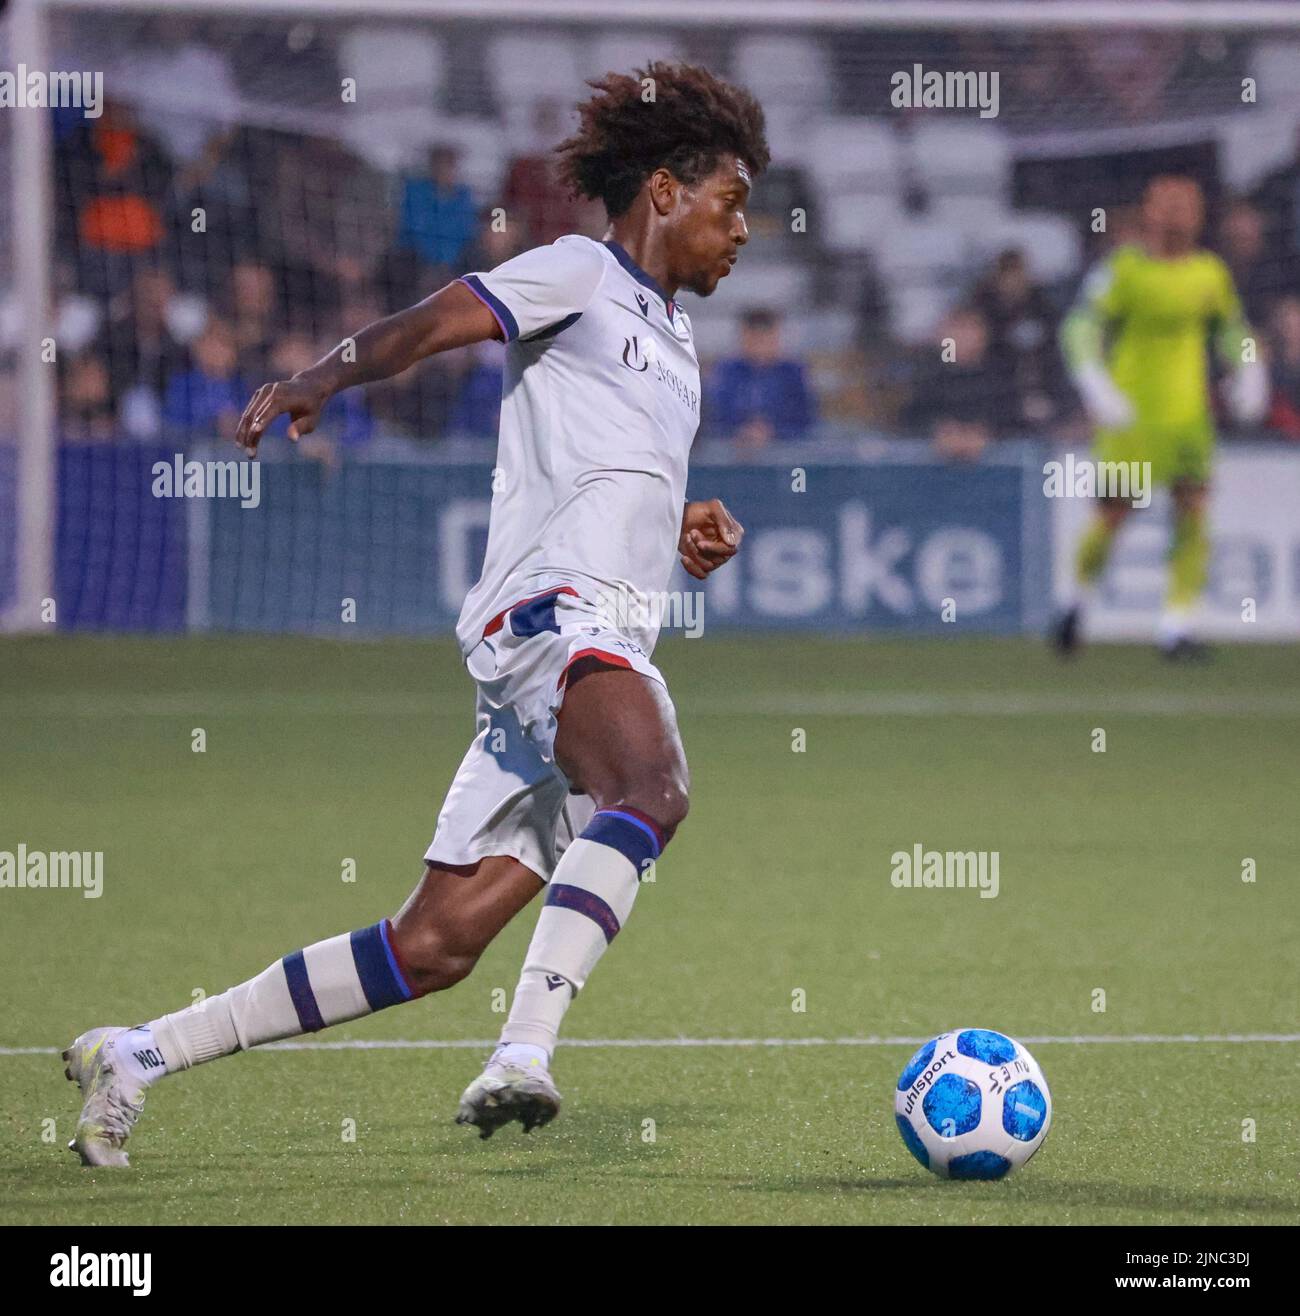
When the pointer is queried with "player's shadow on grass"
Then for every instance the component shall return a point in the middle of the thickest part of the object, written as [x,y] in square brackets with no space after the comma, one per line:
[601,1135]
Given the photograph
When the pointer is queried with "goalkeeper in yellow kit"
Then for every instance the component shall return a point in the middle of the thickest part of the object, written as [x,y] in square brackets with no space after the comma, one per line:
[1136,344]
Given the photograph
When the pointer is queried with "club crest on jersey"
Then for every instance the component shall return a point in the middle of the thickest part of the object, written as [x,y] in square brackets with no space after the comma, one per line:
[634,356]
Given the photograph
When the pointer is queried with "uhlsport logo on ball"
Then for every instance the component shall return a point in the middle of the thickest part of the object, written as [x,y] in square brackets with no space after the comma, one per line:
[972,1104]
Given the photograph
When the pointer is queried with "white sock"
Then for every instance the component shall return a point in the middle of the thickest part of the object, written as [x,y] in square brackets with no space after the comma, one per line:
[588,899]
[333,981]
[521,1053]
[138,1055]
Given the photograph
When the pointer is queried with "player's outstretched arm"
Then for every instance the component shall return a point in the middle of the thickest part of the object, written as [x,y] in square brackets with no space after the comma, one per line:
[452,317]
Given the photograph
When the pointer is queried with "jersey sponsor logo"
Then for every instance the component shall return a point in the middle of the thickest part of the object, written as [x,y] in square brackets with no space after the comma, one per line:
[640,357]
[686,395]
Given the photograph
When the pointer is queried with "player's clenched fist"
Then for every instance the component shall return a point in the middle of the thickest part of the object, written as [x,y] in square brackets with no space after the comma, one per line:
[297,398]
[710,535]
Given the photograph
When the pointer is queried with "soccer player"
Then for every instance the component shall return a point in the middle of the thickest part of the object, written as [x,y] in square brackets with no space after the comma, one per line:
[1147,391]
[576,780]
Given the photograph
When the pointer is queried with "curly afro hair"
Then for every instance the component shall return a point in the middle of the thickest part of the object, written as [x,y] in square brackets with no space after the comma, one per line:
[693,120]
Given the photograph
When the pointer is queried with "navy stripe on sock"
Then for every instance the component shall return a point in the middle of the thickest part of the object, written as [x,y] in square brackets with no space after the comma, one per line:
[380,980]
[626,834]
[582,901]
[301,994]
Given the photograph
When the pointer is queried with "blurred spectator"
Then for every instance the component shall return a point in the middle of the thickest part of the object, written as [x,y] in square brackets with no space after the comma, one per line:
[962,399]
[533,194]
[206,400]
[438,214]
[760,395]
[1284,367]
[1278,197]
[251,309]
[1022,343]
[149,327]
[1260,277]
[870,303]
[86,399]
[331,224]
[492,245]
[223,203]
[110,179]
[1131,67]
[477,408]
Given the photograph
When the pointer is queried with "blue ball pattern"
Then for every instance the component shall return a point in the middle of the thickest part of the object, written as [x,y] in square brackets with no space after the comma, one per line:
[914,1143]
[986,1046]
[978,1165]
[952,1106]
[1024,1108]
[917,1063]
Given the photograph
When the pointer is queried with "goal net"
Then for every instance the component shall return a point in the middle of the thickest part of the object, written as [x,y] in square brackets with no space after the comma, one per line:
[254,181]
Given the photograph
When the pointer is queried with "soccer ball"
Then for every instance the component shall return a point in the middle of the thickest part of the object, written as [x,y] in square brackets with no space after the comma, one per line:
[972,1104]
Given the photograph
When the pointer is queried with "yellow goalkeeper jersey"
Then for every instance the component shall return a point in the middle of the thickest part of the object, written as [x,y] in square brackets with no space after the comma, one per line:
[1153,320]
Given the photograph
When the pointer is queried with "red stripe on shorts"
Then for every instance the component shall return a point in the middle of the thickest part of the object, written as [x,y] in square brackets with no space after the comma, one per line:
[614,659]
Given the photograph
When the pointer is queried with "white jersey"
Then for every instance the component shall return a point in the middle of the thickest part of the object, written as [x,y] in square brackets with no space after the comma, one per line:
[600,404]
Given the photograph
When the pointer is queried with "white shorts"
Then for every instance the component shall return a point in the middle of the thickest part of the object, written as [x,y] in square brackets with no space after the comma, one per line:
[508,796]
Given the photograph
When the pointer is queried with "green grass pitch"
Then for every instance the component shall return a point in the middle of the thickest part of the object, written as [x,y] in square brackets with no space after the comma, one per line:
[1119,871]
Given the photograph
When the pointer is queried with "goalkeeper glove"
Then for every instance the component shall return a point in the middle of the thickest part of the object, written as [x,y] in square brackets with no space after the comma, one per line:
[1106,406]
[1248,393]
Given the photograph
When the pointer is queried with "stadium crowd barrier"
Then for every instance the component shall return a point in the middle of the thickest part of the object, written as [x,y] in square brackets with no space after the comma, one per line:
[843,536]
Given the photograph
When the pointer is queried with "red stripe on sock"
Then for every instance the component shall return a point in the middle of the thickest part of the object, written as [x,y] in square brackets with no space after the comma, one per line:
[401,964]
[645,818]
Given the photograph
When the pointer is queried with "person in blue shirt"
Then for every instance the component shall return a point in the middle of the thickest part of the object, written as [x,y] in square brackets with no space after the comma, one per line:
[761,396]
[204,399]
[438,214]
